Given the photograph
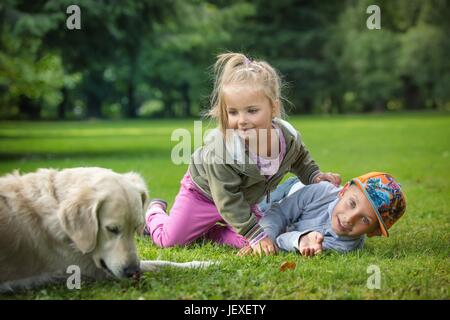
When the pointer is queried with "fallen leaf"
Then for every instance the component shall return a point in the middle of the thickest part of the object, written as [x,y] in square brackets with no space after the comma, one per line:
[287,265]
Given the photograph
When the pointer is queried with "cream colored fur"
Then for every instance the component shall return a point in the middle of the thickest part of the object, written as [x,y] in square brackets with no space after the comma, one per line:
[87,217]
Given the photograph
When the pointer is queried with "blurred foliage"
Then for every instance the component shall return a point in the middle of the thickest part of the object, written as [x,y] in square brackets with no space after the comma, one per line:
[152,58]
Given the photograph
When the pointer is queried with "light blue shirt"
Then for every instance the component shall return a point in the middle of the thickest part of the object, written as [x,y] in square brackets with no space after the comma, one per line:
[308,209]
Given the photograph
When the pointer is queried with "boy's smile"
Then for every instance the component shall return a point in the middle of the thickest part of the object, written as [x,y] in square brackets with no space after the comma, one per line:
[353,215]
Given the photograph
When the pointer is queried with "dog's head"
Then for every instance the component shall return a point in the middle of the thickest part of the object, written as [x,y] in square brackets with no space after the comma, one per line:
[103,217]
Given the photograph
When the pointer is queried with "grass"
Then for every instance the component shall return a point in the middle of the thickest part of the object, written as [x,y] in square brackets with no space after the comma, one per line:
[414,260]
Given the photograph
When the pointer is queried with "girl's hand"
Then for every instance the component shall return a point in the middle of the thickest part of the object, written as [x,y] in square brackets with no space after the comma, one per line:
[245,251]
[265,246]
[334,178]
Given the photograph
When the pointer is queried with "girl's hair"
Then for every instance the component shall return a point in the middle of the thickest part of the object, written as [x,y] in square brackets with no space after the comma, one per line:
[237,68]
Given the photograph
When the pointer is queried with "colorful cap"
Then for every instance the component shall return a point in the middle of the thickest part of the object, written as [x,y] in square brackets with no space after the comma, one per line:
[385,196]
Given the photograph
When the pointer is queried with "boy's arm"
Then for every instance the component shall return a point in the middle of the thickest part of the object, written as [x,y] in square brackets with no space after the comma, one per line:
[290,210]
[282,214]
[289,241]
[273,222]
[343,246]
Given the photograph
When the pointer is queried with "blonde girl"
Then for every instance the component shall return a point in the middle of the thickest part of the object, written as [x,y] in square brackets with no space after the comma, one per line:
[242,161]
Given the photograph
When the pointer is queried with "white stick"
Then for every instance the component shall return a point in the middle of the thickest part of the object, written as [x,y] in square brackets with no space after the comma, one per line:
[153,265]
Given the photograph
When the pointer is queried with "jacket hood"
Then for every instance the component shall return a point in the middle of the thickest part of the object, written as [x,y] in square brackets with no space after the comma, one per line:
[232,150]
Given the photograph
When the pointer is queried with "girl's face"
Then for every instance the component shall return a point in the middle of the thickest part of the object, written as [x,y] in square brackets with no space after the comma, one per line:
[248,109]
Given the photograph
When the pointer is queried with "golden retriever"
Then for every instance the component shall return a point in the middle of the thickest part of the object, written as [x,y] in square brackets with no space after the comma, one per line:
[85,217]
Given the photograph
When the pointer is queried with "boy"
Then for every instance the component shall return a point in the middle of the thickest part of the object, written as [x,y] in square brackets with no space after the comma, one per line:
[321,216]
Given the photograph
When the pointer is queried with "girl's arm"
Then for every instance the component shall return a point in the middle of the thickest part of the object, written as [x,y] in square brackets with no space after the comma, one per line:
[304,166]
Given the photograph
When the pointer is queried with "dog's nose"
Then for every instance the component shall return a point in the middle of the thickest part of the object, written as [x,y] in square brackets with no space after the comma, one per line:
[131,270]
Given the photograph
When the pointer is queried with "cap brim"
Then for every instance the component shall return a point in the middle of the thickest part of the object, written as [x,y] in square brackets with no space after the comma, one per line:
[383,228]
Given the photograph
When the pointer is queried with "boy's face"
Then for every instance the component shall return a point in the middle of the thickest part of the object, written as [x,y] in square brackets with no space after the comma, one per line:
[353,215]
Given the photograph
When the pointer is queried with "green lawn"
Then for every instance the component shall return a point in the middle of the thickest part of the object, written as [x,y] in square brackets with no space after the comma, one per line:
[414,261]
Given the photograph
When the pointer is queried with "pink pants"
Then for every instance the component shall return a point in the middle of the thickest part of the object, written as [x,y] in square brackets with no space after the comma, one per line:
[192,216]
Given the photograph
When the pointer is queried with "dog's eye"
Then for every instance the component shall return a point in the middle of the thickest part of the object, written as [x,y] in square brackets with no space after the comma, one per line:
[113,230]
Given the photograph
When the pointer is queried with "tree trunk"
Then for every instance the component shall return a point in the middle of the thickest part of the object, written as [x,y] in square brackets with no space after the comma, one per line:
[92,85]
[380,105]
[29,108]
[131,111]
[367,107]
[336,104]
[411,94]
[339,108]
[94,106]
[132,50]
[63,105]
[186,100]
[307,105]
[433,104]
[168,106]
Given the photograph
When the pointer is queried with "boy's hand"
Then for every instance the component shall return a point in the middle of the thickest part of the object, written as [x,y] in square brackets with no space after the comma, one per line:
[334,178]
[265,246]
[310,244]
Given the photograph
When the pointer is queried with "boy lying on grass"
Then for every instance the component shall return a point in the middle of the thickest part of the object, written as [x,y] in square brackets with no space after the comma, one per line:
[321,216]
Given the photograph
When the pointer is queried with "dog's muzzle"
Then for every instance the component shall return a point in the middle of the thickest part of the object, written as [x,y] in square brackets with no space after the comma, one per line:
[131,271]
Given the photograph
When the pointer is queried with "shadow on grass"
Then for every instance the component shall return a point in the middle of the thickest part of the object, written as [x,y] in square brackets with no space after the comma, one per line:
[63,135]
[118,154]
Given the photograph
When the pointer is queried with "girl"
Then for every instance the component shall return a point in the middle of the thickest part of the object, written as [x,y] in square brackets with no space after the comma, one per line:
[242,160]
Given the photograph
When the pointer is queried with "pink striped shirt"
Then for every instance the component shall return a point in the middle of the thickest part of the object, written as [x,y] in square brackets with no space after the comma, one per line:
[269,167]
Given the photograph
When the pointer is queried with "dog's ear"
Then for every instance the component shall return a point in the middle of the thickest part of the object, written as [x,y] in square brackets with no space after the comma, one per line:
[78,216]
[139,183]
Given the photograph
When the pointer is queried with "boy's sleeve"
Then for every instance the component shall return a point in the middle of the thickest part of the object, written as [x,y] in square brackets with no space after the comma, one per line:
[332,243]
[274,221]
[304,166]
[288,241]
[289,210]
[224,184]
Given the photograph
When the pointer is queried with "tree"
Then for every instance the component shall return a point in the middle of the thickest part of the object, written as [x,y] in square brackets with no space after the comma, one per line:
[30,76]
[177,57]
[291,36]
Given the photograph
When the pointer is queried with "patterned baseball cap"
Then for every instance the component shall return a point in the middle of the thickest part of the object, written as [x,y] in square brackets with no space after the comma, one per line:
[385,196]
